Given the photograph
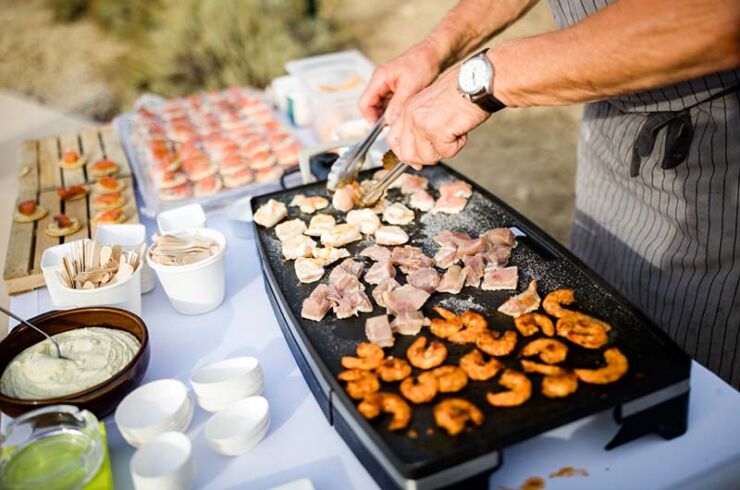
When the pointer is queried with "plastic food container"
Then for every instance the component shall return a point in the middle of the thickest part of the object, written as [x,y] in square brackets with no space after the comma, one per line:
[195,288]
[164,463]
[130,237]
[240,427]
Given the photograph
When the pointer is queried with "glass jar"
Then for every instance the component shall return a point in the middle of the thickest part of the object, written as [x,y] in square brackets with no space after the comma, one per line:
[56,447]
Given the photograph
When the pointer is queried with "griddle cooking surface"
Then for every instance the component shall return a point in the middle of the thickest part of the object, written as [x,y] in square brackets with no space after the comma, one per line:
[655,362]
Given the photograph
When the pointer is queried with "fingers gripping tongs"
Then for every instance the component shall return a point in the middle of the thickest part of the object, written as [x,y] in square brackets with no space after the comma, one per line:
[347,167]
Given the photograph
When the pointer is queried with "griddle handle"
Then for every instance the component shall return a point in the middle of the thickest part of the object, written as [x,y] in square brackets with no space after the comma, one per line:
[668,419]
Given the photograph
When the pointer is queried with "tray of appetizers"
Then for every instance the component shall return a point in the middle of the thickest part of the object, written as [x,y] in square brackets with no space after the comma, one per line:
[441,326]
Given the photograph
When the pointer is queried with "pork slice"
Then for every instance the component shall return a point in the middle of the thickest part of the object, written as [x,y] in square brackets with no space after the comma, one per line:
[352,304]
[398,214]
[354,267]
[405,298]
[523,302]
[421,200]
[500,236]
[376,253]
[471,247]
[453,280]
[498,278]
[448,238]
[449,205]
[410,258]
[497,255]
[317,304]
[425,278]
[388,284]
[409,323]
[391,235]
[379,271]
[413,183]
[456,188]
[343,282]
[378,331]
[446,257]
[475,266]
[344,199]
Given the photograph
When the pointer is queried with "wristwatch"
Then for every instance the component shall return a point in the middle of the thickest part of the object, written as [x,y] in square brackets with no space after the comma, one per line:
[475,82]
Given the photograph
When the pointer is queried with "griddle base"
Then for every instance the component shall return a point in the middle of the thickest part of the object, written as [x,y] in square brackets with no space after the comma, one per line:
[668,419]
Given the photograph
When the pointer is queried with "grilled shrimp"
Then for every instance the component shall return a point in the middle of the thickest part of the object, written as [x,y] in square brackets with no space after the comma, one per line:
[583,330]
[420,390]
[447,325]
[546,369]
[520,389]
[559,386]
[450,378]
[530,323]
[426,357]
[369,357]
[393,369]
[553,301]
[474,323]
[389,403]
[616,367]
[360,383]
[550,351]
[477,368]
[495,343]
[454,413]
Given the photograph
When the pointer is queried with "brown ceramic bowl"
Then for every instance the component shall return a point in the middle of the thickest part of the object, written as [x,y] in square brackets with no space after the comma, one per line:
[101,399]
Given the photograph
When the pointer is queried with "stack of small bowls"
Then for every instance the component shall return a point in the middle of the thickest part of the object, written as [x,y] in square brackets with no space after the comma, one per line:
[164,463]
[153,409]
[220,385]
[240,427]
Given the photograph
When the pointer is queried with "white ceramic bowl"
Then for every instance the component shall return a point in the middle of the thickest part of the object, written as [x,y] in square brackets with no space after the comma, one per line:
[240,427]
[164,463]
[195,288]
[152,409]
[216,404]
[223,377]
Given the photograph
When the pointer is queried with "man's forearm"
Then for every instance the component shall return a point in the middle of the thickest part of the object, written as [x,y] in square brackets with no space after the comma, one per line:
[470,24]
[629,46]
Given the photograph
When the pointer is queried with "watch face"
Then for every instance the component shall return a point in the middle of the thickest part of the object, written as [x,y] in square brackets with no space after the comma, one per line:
[473,77]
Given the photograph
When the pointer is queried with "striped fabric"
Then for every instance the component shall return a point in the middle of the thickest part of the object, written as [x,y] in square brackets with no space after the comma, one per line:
[668,239]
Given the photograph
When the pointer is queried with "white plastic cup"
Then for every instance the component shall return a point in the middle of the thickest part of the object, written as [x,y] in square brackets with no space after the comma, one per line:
[181,218]
[240,427]
[196,288]
[164,463]
[130,237]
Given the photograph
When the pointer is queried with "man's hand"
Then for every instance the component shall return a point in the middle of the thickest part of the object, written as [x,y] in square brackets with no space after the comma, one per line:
[393,83]
[434,124]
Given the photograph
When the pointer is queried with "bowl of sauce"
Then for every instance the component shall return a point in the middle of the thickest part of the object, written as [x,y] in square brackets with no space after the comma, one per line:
[107,351]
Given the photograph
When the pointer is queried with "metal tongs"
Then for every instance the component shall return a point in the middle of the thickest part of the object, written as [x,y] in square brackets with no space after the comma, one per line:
[347,167]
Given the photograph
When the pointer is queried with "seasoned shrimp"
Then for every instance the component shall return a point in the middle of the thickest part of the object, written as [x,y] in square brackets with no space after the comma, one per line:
[546,369]
[520,389]
[550,351]
[450,378]
[421,389]
[583,330]
[360,383]
[530,323]
[553,301]
[447,325]
[369,357]
[477,368]
[426,357]
[454,413]
[616,367]
[389,403]
[495,343]
[474,323]
[393,369]
[559,386]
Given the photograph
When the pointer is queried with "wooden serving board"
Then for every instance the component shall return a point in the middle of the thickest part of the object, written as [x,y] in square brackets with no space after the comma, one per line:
[39,177]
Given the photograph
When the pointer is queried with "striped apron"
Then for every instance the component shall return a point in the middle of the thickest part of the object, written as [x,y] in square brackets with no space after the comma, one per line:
[658,204]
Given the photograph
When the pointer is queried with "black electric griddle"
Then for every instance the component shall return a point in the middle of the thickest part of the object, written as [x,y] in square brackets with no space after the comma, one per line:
[652,397]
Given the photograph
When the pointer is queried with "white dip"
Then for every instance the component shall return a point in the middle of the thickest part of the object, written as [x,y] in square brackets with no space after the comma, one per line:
[95,355]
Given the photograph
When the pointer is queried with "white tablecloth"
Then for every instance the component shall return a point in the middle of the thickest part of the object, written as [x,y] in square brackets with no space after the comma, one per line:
[301,443]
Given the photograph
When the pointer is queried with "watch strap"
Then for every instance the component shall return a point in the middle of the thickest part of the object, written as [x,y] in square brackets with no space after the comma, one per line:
[489,103]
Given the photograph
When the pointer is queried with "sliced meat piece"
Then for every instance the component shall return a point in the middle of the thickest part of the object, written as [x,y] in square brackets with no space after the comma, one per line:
[411,183]
[471,247]
[342,283]
[421,200]
[365,219]
[456,188]
[344,199]
[398,214]
[352,304]
[354,267]
[319,224]
[498,278]
[497,256]
[340,235]
[379,206]
[475,266]
[308,269]
[329,255]
[522,303]
[446,257]
[376,253]
[410,258]
[270,213]
[391,235]
[380,271]
[425,278]
[289,229]
[309,204]
[409,323]
[298,246]
[449,205]
[404,299]
[448,238]
[453,280]
[385,285]
[317,304]
[378,331]
[500,236]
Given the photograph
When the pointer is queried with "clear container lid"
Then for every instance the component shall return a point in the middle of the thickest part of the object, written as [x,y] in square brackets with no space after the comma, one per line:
[337,75]
[54,448]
